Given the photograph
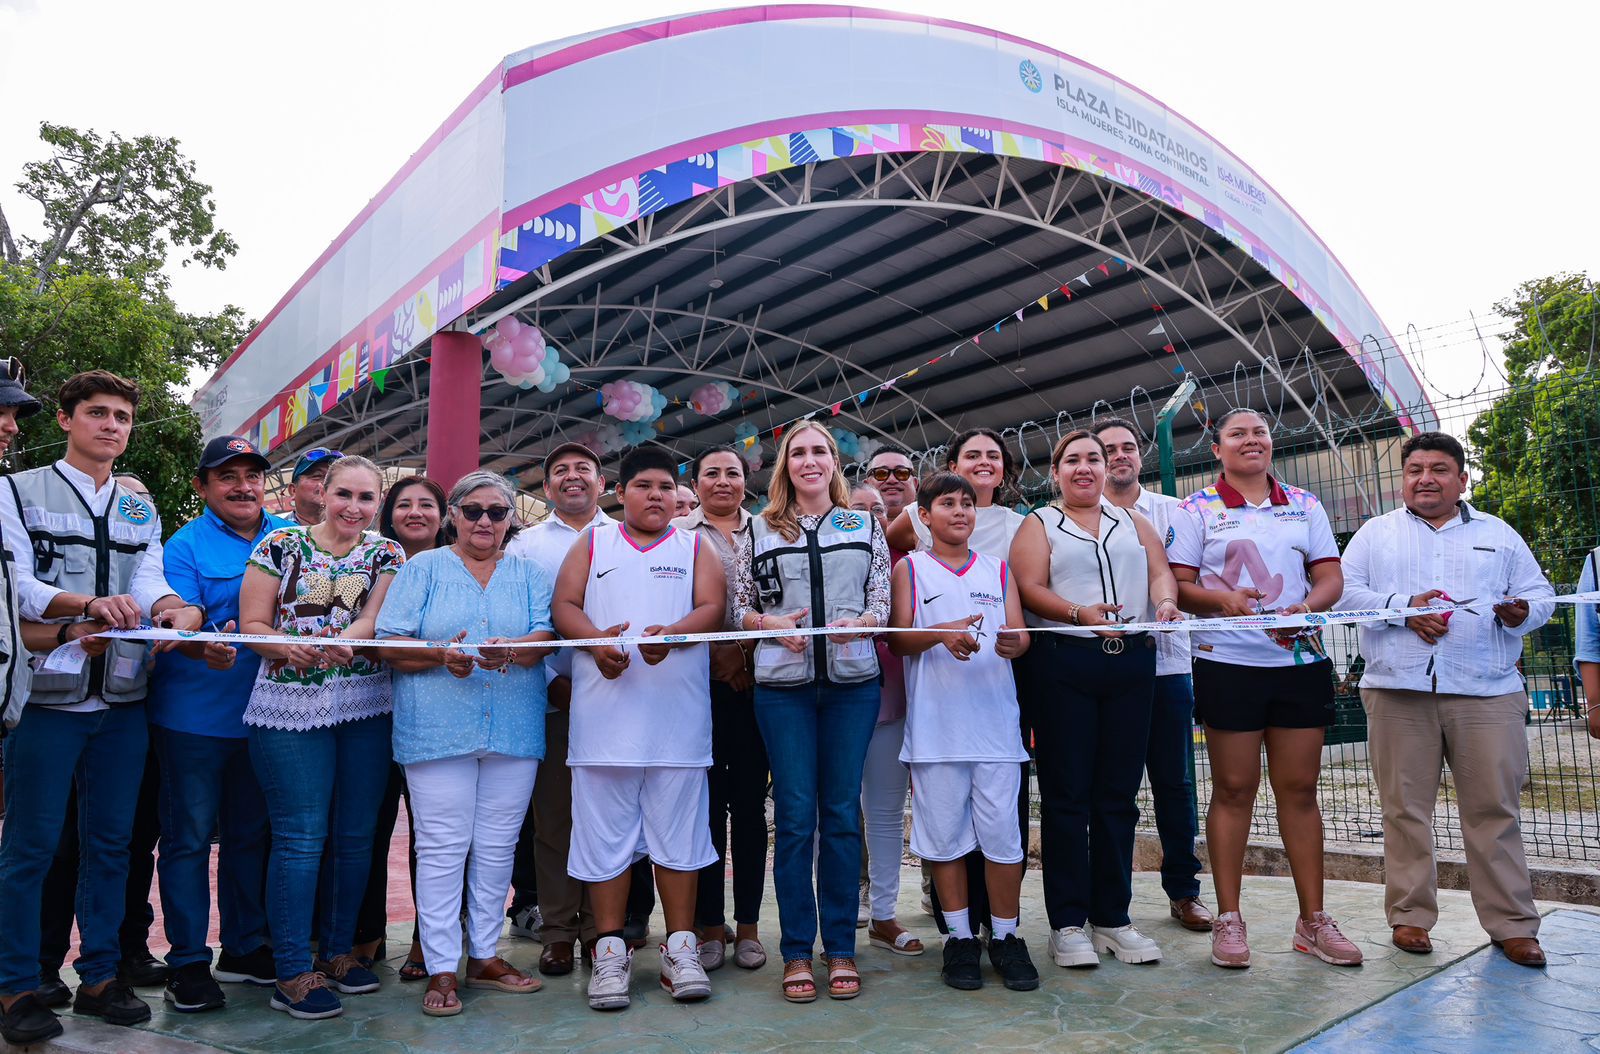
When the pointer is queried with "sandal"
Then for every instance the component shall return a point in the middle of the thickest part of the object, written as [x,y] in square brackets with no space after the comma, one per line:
[902,943]
[500,975]
[413,970]
[843,980]
[445,984]
[799,983]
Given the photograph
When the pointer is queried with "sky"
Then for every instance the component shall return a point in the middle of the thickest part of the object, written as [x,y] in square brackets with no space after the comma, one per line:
[1438,149]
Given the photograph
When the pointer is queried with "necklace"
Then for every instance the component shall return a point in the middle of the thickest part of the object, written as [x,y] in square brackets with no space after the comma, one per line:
[1091,529]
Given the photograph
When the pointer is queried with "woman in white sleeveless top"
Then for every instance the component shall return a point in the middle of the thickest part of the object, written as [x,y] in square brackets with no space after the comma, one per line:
[1085,562]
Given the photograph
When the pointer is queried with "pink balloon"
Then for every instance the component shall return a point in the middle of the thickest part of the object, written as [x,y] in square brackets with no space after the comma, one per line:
[500,357]
[525,344]
[508,327]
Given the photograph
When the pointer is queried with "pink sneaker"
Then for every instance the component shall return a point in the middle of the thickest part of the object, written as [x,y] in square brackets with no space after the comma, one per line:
[1320,936]
[1229,949]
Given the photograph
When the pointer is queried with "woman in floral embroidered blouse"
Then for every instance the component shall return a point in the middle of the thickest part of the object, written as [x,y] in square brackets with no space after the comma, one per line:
[319,726]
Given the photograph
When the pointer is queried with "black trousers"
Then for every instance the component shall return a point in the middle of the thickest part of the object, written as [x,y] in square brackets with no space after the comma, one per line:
[738,790]
[57,908]
[1090,714]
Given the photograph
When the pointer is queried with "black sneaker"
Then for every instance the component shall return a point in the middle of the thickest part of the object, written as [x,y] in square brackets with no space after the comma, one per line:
[52,990]
[28,1021]
[116,1004]
[193,989]
[257,968]
[635,931]
[1011,961]
[143,971]
[962,956]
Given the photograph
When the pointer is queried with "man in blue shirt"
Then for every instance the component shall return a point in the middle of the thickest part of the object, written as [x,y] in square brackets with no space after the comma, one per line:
[196,711]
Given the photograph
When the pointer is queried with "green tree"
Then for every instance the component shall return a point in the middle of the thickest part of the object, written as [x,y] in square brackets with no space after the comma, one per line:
[1538,446]
[91,291]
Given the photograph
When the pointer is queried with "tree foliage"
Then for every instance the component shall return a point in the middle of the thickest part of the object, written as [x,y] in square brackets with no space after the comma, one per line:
[1538,446]
[117,207]
[91,292]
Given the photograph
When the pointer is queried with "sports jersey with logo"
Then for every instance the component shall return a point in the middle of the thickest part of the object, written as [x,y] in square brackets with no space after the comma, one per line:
[1270,547]
[651,715]
[955,710]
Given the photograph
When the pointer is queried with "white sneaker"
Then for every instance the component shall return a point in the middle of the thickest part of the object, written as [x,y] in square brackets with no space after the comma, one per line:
[864,908]
[612,970]
[1071,946]
[526,923]
[1126,943]
[681,972]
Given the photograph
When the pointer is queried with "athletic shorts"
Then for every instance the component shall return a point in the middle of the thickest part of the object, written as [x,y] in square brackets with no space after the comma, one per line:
[959,806]
[621,814]
[1234,698]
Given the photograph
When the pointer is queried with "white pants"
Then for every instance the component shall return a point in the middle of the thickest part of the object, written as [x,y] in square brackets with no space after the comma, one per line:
[466,809]
[883,809]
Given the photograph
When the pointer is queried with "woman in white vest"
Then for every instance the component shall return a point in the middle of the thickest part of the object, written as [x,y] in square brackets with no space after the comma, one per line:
[814,561]
[1084,562]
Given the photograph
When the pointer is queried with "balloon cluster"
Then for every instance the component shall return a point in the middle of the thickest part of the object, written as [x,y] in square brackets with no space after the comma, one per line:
[713,397]
[605,439]
[758,504]
[636,432]
[752,455]
[523,358]
[631,401]
[849,443]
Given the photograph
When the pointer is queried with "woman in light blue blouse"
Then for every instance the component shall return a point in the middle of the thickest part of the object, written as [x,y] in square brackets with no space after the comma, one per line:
[469,729]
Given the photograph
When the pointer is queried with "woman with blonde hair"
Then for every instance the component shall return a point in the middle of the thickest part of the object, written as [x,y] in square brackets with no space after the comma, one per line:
[810,559]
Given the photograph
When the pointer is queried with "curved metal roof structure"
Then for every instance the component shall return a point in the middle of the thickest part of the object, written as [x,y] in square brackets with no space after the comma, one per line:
[808,202]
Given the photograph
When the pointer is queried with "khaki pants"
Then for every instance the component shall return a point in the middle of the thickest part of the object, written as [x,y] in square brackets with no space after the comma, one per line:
[563,900]
[1482,739]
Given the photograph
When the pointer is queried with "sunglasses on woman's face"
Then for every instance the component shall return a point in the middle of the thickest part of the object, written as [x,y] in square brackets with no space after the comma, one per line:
[901,473]
[474,513]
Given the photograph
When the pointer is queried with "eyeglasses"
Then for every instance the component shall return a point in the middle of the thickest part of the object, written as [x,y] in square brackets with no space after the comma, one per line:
[474,513]
[900,473]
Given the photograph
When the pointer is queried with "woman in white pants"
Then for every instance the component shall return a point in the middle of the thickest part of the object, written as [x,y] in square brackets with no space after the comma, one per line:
[469,729]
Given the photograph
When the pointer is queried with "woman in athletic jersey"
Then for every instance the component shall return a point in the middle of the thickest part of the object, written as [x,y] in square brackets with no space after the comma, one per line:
[1247,545]
[815,561]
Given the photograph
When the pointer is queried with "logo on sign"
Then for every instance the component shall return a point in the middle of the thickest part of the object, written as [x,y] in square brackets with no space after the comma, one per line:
[1316,620]
[134,511]
[1032,79]
[848,520]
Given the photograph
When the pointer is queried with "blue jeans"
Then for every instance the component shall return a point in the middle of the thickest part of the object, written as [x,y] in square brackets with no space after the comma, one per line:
[208,783]
[817,737]
[1166,762]
[323,787]
[103,753]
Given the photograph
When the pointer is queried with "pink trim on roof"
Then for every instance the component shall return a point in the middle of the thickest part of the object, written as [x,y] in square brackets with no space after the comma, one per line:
[478,94]
[712,20]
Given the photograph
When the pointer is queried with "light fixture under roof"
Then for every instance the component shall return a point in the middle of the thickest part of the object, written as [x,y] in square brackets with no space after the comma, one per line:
[715,283]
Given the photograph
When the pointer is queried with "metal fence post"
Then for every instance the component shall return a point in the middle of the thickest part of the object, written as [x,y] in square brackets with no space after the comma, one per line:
[1169,472]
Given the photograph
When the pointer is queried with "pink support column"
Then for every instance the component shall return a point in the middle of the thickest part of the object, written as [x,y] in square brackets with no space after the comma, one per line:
[455,387]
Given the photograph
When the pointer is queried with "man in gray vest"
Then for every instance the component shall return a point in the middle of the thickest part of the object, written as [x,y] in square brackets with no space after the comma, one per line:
[87,555]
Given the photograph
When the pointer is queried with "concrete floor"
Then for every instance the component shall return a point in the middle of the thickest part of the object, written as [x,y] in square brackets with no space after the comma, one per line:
[1183,1003]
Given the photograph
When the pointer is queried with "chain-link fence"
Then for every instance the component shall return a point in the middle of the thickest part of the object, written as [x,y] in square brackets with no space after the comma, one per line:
[1534,460]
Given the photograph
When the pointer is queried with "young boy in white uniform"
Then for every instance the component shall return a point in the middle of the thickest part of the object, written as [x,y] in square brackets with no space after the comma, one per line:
[641,733]
[962,739]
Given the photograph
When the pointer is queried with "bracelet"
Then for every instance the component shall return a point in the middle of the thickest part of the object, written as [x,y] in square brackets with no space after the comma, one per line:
[61,634]
[760,618]
[86,605]
[1072,615]
[1166,600]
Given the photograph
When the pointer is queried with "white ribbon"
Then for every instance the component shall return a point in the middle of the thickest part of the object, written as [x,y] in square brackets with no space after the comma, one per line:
[70,657]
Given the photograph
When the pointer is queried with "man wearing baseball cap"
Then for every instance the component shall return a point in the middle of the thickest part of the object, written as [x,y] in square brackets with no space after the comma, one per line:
[197,699]
[15,404]
[305,485]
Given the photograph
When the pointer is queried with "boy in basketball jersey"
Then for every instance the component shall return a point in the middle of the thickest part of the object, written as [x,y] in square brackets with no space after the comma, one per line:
[640,738]
[962,737]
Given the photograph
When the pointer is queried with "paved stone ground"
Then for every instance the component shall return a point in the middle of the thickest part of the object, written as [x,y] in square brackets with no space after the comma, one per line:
[1183,1003]
[1484,1003]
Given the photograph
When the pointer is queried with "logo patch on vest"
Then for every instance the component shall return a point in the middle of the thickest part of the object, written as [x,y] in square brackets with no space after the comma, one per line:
[848,520]
[133,510]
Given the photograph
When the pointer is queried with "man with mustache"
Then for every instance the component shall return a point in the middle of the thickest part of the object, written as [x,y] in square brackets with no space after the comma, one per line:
[1444,688]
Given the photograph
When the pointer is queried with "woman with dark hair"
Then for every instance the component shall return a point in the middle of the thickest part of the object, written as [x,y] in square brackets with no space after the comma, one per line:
[1082,561]
[1247,545]
[738,777]
[413,515]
